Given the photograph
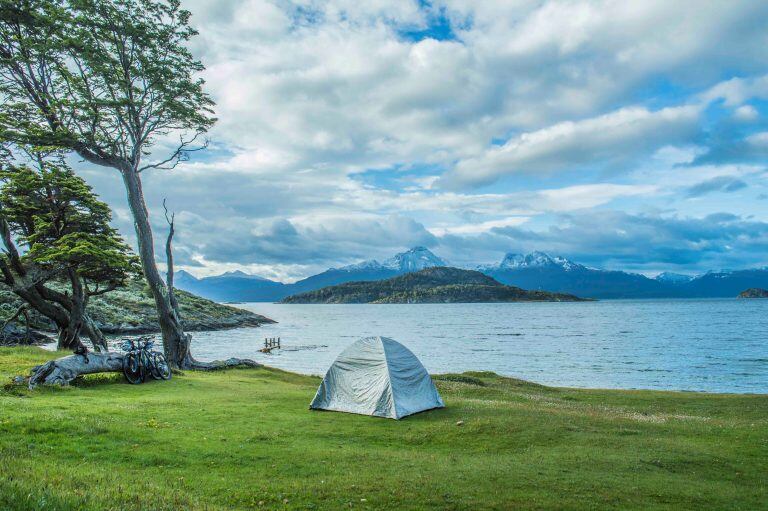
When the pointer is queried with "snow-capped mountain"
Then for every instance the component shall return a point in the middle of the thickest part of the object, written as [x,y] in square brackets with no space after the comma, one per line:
[533,260]
[414,259]
[542,271]
[673,278]
[370,264]
[411,260]
[538,270]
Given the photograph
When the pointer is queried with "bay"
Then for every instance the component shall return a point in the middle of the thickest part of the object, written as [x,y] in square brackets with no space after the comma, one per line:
[712,345]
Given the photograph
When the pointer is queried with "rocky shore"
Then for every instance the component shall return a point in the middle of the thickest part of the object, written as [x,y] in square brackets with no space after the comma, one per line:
[131,311]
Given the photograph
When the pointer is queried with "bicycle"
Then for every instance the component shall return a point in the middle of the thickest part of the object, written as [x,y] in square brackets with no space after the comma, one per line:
[140,361]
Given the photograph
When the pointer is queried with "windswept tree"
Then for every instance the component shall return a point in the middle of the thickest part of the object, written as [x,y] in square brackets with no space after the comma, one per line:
[115,82]
[65,238]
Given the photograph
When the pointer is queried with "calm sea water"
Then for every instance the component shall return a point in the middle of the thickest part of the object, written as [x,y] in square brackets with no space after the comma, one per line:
[706,345]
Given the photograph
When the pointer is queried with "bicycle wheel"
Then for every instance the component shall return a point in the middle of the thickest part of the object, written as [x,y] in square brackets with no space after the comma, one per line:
[132,369]
[159,367]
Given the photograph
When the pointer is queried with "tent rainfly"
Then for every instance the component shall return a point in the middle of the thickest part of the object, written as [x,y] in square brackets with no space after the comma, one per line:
[377,376]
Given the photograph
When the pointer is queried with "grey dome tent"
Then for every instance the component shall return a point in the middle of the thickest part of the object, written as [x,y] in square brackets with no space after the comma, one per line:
[377,376]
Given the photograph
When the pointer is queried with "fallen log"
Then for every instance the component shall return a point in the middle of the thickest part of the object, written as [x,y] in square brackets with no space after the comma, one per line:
[63,370]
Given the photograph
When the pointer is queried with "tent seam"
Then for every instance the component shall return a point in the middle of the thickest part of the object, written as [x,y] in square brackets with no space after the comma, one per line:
[389,376]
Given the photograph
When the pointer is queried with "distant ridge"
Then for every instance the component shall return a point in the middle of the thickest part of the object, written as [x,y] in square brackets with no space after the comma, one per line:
[536,271]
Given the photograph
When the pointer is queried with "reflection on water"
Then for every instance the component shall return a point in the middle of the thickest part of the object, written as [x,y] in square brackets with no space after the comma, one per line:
[709,345]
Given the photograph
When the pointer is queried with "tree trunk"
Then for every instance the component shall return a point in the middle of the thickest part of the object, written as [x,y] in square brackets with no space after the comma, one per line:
[39,297]
[69,337]
[19,283]
[169,261]
[63,370]
[88,326]
[189,362]
[95,334]
[175,341]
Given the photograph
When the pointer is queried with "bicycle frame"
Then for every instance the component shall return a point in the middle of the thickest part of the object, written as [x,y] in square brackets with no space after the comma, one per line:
[141,361]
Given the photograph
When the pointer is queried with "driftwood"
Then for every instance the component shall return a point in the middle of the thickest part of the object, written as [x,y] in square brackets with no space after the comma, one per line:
[63,370]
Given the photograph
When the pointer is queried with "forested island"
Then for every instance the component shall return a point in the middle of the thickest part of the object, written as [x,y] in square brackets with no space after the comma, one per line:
[431,285]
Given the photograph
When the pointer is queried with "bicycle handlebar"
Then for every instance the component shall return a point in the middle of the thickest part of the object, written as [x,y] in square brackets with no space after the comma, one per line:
[142,343]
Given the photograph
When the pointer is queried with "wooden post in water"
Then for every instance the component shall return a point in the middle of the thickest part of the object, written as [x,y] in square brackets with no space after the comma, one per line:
[270,343]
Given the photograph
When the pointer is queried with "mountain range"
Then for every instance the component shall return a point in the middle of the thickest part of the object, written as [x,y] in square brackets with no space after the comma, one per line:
[534,271]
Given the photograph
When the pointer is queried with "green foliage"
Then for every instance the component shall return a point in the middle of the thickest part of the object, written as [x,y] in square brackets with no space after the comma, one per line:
[233,439]
[62,224]
[103,78]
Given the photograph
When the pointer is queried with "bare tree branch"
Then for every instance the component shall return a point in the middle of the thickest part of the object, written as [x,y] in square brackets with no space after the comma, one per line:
[181,154]
[170,218]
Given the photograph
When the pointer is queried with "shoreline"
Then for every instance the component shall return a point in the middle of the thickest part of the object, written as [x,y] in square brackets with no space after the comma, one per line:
[446,376]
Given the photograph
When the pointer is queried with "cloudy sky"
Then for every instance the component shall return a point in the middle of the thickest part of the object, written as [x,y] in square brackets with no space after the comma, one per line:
[625,135]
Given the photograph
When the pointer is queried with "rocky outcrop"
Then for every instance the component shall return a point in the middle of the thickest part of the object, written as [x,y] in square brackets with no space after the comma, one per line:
[130,310]
[14,335]
[754,292]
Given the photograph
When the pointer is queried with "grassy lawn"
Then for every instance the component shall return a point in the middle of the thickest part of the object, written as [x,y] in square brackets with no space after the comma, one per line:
[245,439]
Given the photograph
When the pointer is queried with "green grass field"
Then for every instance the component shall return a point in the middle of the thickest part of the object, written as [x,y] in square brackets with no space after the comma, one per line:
[244,439]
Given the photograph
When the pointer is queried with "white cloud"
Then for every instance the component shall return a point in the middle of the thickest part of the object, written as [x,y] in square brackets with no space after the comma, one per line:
[759,140]
[736,91]
[745,113]
[476,228]
[607,141]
